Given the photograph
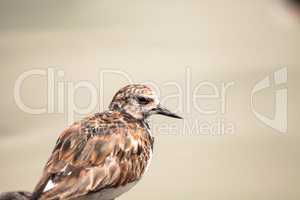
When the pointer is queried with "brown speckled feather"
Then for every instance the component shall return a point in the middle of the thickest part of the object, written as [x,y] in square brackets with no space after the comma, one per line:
[105,150]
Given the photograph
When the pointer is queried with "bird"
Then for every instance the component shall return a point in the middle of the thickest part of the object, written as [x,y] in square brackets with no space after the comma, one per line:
[105,154]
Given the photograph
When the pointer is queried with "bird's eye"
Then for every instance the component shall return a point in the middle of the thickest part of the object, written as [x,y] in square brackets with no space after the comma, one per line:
[143,100]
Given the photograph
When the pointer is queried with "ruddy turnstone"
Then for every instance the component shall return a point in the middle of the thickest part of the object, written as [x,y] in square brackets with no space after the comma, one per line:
[105,154]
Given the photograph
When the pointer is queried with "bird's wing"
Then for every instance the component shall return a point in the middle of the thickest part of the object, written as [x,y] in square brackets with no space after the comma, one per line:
[99,152]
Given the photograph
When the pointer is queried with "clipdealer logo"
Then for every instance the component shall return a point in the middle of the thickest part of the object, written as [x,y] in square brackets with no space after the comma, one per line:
[279,121]
[205,98]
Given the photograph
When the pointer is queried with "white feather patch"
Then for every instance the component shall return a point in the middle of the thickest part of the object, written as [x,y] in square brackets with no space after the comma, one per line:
[149,161]
[49,186]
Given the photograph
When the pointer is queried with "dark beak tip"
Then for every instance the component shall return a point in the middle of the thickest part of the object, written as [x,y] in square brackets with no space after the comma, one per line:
[166,112]
[176,116]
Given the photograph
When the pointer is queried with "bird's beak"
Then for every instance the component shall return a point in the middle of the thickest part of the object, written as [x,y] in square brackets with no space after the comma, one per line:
[163,111]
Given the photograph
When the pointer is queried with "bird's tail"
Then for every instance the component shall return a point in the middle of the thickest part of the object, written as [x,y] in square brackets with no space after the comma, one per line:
[17,195]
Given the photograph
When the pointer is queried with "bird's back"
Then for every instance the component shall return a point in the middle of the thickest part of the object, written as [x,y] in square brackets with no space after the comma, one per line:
[102,152]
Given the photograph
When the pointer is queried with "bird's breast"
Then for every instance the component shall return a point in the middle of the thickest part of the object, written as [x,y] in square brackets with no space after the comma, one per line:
[108,193]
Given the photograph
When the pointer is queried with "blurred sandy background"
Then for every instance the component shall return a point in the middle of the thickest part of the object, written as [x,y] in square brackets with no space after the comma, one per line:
[222,41]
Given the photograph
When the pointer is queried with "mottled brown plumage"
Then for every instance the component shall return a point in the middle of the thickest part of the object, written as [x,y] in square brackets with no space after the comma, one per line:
[105,154]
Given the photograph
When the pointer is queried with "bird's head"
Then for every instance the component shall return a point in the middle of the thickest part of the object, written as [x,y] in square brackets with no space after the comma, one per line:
[139,101]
